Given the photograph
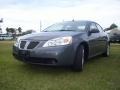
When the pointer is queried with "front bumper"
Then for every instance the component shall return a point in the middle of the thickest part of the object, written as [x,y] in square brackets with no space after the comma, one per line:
[59,55]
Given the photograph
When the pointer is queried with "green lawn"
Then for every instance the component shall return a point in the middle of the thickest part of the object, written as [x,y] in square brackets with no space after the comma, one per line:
[100,73]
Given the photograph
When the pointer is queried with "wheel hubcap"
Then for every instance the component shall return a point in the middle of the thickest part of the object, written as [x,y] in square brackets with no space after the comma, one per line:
[83,57]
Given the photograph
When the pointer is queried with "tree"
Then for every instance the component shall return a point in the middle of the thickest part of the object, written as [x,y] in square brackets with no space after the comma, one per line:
[28,32]
[7,30]
[1,20]
[112,26]
[19,29]
[11,31]
[0,30]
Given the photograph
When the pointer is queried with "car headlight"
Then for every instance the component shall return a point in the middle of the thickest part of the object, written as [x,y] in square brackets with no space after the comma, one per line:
[58,41]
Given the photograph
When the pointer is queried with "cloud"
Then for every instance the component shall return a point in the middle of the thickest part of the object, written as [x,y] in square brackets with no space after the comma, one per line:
[40,3]
[28,13]
[56,3]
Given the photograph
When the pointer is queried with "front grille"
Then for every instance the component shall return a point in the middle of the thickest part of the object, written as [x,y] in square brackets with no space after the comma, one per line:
[22,44]
[28,44]
[32,45]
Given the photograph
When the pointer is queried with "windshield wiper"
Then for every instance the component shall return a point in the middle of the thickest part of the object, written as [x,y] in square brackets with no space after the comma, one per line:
[44,31]
[66,30]
[60,30]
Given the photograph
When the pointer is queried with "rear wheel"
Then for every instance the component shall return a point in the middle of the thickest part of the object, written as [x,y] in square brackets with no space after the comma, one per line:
[79,59]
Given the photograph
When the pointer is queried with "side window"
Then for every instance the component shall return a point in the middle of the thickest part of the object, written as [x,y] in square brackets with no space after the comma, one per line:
[99,28]
[93,26]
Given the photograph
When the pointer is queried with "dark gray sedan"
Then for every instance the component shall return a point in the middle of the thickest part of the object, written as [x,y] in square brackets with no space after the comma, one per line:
[67,43]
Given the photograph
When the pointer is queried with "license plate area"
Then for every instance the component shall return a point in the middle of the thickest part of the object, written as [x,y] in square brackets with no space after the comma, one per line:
[24,53]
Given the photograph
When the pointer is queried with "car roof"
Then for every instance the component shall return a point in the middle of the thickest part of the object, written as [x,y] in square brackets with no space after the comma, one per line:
[79,21]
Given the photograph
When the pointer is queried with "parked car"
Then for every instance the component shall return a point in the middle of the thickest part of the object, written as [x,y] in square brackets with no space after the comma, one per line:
[115,38]
[5,37]
[67,43]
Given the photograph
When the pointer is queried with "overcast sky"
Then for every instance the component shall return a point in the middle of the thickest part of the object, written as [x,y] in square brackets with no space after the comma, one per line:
[28,13]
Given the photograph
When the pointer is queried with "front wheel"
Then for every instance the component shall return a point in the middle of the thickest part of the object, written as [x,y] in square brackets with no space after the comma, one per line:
[79,59]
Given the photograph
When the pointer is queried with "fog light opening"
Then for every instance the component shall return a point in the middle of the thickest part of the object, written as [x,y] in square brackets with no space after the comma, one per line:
[54,61]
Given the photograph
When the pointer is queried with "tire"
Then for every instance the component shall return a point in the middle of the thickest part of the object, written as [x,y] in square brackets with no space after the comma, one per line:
[107,52]
[79,59]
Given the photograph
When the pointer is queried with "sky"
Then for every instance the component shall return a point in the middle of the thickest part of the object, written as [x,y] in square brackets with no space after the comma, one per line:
[28,14]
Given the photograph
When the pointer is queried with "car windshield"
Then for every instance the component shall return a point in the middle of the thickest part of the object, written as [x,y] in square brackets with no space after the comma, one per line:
[66,26]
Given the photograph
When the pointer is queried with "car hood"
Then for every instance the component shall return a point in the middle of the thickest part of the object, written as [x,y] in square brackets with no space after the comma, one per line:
[48,35]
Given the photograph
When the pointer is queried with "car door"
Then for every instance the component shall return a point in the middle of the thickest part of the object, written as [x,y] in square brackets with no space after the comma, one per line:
[94,40]
[102,39]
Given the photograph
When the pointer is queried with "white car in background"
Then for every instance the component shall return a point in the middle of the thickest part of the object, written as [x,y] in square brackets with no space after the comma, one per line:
[5,37]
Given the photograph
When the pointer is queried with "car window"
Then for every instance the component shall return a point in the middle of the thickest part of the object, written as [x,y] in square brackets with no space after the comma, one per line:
[93,26]
[69,26]
[81,27]
[99,28]
[55,27]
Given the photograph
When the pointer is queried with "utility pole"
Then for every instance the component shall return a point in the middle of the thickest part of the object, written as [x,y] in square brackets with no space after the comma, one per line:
[40,25]
[1,21]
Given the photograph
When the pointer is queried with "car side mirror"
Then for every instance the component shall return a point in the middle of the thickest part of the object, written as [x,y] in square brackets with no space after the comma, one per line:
[94,31]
